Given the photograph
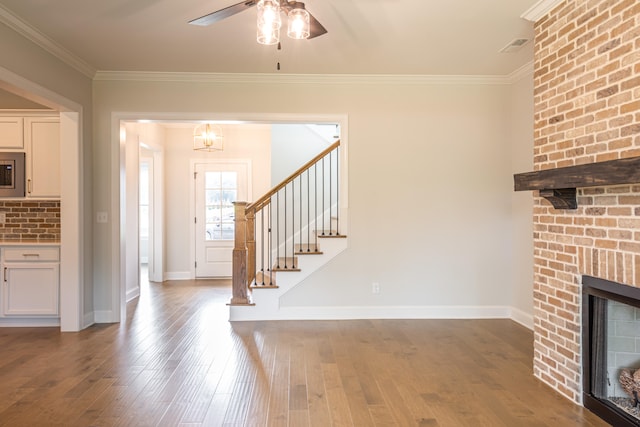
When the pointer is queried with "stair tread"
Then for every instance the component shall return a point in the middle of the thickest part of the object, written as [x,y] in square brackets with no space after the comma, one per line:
[331,234]
[328,233]
[264,280]
[307,249]
[288,268]
[258,286]
[291,264]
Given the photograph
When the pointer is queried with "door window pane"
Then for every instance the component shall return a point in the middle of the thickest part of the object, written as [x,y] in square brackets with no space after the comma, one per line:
[220,193]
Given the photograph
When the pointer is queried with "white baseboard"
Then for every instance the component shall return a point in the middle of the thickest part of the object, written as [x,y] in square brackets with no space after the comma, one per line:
[242,313]
[177,275]
[519,316]
[133,293]
[88,320]
[29,323]
[104,316]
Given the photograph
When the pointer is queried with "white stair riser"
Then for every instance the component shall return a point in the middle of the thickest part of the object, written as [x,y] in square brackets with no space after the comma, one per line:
[267,301]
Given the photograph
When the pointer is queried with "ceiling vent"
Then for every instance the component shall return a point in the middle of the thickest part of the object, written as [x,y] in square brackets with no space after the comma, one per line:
[514,45]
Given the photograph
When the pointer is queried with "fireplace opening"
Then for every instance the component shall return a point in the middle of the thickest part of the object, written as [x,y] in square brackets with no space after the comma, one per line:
[611,350]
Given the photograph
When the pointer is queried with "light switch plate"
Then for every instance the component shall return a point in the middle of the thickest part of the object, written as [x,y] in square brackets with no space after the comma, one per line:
[3,217]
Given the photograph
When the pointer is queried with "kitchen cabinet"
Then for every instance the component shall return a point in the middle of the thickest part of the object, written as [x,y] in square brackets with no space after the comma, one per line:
[11,133]
[31,281]
[42,146]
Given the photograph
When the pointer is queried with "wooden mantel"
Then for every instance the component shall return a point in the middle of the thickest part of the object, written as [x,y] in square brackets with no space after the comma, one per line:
[559,185]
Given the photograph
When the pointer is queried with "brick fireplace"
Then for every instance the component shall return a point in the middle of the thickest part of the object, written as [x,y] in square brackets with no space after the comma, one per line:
[587,110]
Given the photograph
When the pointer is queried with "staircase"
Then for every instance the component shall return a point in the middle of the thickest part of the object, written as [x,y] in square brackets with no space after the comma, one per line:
[285,236]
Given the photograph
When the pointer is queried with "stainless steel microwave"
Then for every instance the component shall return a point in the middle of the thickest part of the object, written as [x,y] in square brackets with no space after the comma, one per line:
[12,174]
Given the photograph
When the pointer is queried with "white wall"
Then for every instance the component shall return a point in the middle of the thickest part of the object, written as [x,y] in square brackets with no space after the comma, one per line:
[251,142]
[293,145]
[430,181]
[521,119]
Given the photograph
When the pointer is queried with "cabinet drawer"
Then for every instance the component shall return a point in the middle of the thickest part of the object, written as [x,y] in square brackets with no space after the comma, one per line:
[31,254]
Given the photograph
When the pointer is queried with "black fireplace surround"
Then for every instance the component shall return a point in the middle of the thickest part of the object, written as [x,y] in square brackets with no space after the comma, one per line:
[596,293]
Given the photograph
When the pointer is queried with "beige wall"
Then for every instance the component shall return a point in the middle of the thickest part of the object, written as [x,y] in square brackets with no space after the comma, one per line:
[521,121]
[430,183]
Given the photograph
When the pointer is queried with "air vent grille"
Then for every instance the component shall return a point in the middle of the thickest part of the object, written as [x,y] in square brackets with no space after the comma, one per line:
[514,45]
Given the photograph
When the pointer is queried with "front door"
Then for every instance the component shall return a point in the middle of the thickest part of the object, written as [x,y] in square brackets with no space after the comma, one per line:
[217,187]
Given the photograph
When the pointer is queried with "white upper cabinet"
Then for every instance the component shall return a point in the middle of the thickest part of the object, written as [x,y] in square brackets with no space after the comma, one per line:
[11,133]
[42,145]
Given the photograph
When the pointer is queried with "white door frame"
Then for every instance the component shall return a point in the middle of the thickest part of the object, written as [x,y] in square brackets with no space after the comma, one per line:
[192,198]
[118,170]
[156,262]
[156,212]
[72,310]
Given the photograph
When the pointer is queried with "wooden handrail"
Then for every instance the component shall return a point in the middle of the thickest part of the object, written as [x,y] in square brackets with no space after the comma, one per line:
[262,201]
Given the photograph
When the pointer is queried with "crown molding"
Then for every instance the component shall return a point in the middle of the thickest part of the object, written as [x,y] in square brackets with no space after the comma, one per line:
[540,9]
[32,34]
[522,72]
[258,78]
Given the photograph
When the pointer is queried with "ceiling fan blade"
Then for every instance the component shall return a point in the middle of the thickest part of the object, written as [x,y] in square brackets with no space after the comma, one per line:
[223,13]
[315,27]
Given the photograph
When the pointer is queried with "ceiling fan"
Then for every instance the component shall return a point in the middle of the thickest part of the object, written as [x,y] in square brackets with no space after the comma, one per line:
[293,9]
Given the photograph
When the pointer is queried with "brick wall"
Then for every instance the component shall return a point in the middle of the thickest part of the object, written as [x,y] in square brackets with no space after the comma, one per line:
[30,220]
[587,109]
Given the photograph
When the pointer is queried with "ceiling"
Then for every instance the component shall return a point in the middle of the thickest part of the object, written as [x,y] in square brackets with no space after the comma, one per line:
[400,37]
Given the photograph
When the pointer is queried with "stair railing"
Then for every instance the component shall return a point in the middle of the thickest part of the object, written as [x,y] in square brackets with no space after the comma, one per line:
[294,212]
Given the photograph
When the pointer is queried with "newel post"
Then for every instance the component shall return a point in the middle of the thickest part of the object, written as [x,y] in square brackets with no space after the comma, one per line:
[239,281]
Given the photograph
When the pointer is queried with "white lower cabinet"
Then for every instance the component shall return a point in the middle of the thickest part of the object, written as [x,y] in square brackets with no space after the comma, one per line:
[31,281]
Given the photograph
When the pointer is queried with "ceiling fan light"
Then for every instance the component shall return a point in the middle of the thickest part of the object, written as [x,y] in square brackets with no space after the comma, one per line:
[269,22]
[208,137]
[268,35]
[298,27]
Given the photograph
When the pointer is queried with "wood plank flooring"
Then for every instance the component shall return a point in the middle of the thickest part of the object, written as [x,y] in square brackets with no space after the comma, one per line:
[177,361]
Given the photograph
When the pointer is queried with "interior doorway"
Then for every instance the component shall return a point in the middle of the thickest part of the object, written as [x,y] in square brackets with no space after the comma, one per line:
[244,141]
[74,316]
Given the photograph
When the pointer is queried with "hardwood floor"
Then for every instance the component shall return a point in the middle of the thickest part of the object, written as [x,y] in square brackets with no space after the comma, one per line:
[177,361]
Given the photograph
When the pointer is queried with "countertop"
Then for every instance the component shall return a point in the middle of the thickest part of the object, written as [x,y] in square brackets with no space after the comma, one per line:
[28,242]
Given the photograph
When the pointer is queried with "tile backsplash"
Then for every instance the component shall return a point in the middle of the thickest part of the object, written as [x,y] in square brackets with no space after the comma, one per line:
[30,220]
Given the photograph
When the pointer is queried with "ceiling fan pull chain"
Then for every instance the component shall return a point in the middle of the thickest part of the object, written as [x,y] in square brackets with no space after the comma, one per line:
[279,48]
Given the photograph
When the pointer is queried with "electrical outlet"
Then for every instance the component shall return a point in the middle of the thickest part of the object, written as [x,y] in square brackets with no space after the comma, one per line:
[375,287]
[102,217]
[3,217]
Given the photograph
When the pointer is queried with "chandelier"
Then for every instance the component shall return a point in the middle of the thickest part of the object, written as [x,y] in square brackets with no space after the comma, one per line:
[269,21]
[208,137]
